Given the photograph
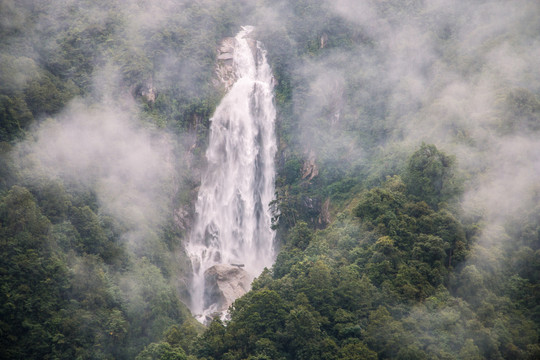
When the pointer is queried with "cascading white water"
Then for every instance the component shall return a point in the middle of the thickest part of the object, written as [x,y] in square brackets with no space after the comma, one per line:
[233,219]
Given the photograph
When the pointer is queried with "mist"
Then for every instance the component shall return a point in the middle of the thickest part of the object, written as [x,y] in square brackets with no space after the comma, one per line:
[464,98]
[105,149]
[379,78]
[440,72]
[117,97]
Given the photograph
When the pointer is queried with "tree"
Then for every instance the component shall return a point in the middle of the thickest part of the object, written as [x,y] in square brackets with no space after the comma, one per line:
[48,94]
[379,205]
[257,315]
[303,331]
[161,351]
[384,334]
[430,249]
[14,117]
[384,261]
[93,238]
[211,344]
[184,336]
[300,236]
[430,175]
[356,351]
[33,278]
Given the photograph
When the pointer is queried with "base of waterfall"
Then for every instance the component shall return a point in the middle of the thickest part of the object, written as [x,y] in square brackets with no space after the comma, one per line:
[223,284]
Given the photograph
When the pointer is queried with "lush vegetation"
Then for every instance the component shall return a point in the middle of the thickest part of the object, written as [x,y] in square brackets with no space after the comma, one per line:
[72,287]
[389,278]
[383,145]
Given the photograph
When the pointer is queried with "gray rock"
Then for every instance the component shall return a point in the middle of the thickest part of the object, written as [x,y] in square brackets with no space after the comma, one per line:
[225,56]
[224,284]
[226,46]
[224,69]
[310,168]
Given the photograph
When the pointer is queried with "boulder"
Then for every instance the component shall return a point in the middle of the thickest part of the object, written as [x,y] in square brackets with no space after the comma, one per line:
[224,284]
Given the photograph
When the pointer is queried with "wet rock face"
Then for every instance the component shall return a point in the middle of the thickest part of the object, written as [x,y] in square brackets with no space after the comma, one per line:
[310,168]
[224,68]
[225,72]
[146,90]
[224,284]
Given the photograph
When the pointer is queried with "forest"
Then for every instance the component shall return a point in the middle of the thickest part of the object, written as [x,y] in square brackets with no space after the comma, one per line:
[407,205]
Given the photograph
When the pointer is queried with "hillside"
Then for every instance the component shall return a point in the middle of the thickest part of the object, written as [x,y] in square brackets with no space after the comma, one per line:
[406,214]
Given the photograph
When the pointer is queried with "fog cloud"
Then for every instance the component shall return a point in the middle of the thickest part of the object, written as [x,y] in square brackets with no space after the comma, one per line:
[440,72]
[106,149]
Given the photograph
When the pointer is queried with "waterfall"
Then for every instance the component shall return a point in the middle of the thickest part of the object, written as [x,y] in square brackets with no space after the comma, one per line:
[233,219]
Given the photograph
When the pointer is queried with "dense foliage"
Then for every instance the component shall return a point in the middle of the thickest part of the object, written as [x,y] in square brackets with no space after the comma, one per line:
[383,145]
[72,286]
[389,278]
[69,289]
